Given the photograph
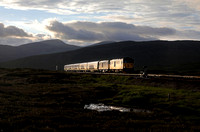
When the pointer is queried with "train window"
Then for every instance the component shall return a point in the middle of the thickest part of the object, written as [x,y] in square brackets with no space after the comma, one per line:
[102,64]
[114,63]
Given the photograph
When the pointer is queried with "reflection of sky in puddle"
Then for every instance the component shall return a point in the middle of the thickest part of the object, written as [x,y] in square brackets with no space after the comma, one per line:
[101,107]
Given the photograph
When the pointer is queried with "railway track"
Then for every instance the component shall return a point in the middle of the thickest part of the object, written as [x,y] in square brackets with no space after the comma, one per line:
[174,76]
[149,75]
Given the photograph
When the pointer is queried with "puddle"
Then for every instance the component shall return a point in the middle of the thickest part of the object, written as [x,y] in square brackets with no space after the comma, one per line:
[101,107]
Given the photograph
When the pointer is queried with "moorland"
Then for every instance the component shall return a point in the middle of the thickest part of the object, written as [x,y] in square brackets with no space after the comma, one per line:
[42,100]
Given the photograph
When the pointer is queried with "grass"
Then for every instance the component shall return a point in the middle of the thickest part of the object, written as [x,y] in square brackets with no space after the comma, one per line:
[39,100]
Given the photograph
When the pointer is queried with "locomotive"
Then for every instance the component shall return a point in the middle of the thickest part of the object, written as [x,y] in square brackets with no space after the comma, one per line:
[121,65]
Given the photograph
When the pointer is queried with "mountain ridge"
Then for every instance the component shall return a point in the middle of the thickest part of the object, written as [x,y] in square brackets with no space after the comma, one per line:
[36,48]
[157,54]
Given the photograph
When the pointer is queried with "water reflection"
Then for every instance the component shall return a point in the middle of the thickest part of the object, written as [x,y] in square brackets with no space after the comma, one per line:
[101,107]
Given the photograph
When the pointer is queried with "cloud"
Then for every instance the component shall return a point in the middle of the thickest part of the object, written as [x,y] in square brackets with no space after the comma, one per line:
[83,33]
[12,35]
[64,31]
[91,32]
[180,13]
[96,6]
[194,4]
[11,31]
[14,41]
[109,20]
[106,31]
[187,34]
[90,6]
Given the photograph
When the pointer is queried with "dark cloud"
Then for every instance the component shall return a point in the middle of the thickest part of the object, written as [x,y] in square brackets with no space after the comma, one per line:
[117,31]
[66,32]
[12,35]
[188,34]
[155,31]
[12,31]
[14,41]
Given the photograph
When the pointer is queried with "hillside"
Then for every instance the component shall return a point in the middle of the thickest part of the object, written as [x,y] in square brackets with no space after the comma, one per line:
[44,47]
[157,55]
[103,43]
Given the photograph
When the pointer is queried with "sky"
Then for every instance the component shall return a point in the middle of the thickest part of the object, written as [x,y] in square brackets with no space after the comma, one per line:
[84,22]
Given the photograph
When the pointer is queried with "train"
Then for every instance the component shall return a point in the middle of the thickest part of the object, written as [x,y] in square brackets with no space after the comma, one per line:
[120,65]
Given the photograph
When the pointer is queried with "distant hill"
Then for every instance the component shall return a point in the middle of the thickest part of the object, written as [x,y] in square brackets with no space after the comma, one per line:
[44,47]
[102,43]
[167,55]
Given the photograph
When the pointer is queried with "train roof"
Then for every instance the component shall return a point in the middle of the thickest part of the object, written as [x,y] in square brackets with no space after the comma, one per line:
[123,58]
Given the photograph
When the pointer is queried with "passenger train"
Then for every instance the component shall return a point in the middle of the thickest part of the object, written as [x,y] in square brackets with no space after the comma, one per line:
[123,65]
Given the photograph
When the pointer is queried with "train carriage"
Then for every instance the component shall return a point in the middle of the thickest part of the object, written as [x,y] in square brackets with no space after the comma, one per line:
[125,65]
[72,67]
[116,65]
[68,67]
[93,66]
[104,66]
[83,67]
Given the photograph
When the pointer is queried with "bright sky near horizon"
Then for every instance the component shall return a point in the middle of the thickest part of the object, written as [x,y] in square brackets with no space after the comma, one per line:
[82,22]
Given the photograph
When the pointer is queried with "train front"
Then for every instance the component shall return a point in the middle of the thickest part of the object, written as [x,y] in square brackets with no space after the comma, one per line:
[128,65]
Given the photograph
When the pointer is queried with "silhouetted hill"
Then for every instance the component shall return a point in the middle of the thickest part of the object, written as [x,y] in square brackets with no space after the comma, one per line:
[102,43]
[154,54]
[44,47]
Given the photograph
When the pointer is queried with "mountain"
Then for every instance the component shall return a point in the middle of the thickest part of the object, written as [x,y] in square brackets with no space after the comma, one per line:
[44,47]
[168,55]
[102,43]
